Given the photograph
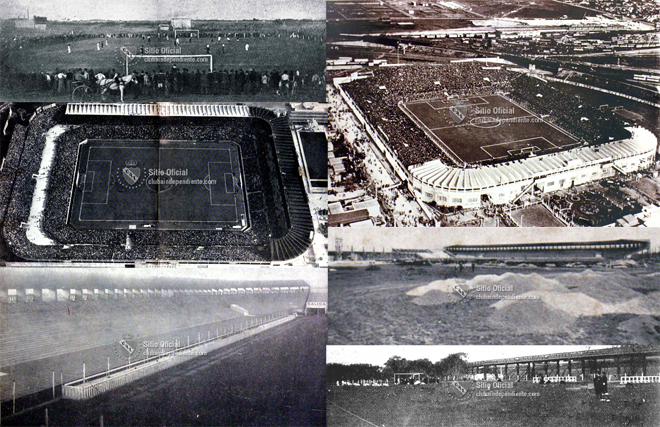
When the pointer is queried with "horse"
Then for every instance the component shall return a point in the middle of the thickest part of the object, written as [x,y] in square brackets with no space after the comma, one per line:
[111,84]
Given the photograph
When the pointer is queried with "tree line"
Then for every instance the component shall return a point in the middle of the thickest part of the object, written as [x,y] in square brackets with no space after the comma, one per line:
[451,367]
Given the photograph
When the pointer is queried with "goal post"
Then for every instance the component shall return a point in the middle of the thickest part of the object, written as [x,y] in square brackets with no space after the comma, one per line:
[153,62]
[186,34]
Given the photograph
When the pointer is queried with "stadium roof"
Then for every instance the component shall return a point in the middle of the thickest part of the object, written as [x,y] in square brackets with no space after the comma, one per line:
[634,244]
[606,352]
[440,175]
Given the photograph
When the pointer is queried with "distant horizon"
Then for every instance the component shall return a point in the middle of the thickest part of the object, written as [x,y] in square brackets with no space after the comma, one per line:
[162,20]
[164,10]
[437,239]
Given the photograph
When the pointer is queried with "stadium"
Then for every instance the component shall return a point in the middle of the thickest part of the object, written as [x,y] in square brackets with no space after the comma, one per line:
[83,341]
[148,182]
[470,134]
[184,59]
[501,386]
[552,252]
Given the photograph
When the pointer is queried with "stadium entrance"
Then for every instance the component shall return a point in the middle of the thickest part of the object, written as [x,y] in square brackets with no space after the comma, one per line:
[315,308]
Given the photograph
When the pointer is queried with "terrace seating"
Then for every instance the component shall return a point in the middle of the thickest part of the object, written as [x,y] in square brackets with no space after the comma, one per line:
[300,226]
[37,330]
[251,245]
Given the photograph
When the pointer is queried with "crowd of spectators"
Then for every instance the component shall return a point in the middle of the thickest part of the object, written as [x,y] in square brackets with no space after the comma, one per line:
[260,165]
[378,98]
[585,122]
[161,83]
[157,83]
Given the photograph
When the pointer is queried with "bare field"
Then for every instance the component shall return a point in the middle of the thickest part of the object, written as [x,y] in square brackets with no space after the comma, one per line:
[544,405]
[386,307]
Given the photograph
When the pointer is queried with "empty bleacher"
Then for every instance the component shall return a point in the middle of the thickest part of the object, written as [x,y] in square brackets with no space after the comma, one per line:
[36,330]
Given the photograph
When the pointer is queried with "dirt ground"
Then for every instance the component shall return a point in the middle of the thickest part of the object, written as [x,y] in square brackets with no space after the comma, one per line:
[439,405]
[372,307]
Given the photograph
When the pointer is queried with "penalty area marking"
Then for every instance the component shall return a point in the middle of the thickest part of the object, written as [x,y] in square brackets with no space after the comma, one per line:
[210,188]
[88,186]
[471,104]
[355,415]
[85,190]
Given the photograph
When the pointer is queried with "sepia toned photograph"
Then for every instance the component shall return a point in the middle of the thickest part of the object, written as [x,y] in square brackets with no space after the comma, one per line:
[175,51]
[451,286]
[494,114]
[501,386]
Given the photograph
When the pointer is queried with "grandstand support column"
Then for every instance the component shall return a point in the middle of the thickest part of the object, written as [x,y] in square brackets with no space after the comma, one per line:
[570,367]
[518,370]
[533,371]
[644,365]
[546,368]
[617,360]
[583,370]
[558,373]
[506,371]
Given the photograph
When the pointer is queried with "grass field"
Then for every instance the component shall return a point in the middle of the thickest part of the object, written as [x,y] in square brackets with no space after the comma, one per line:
[161,184]
[263,54]
[486,128]
[439,405]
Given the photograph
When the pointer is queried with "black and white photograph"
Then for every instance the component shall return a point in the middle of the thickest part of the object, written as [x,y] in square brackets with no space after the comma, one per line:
[164,50]
[450,286]
[226,345]
[498,386]
[127,183]
[503,113]
[359,213]
[163,264]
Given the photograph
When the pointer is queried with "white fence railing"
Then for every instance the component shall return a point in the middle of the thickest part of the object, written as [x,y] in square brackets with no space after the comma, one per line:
[640,379]
[100,383]
[160,109]
[556,379]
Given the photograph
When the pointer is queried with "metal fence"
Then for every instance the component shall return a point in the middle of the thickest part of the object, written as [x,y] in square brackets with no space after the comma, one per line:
[88,387]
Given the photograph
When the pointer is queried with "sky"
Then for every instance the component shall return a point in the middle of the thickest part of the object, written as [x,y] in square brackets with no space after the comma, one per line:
[379,354]
[163,10]
[438,238]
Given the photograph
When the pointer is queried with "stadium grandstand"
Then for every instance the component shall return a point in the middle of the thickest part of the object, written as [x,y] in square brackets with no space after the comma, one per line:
[627,364]
[600,250]
[104,182]
[60,325]
[468,134]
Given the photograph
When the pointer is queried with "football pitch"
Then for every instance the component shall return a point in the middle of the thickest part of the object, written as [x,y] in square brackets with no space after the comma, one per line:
[262,54]
[480,129]
[170,185]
